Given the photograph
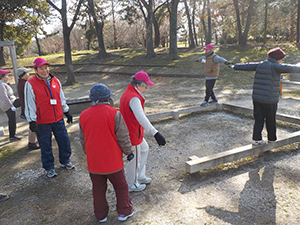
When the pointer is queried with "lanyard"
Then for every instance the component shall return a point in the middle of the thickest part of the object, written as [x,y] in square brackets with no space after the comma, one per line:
[49,87]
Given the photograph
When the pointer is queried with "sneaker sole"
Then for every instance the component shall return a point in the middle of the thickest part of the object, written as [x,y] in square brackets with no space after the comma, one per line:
[126,217]
[68,168]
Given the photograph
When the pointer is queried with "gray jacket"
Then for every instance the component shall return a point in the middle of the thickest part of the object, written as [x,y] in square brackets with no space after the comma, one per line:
[7,96]
[266,84]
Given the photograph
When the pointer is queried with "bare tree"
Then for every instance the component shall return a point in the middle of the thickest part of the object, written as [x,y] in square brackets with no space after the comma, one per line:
[298,22]
[243,35]
[149,22]
[266,21]
[99,30]
[173,53]
[66,36]
[191,38]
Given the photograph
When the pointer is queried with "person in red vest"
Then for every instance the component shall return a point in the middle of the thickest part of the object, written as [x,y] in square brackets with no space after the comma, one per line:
[132,108]
[104,138]
[45,106]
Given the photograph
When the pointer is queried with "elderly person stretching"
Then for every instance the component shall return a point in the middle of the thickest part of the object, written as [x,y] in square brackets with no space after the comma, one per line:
[132,108]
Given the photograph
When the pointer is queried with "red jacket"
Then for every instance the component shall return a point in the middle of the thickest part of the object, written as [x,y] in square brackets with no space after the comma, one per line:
[136,131]
[103,153]
[45,112]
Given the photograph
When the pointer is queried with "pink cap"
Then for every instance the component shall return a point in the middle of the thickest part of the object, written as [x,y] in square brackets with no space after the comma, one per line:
[39,62]
[4,72]
[209,46]
[143,76]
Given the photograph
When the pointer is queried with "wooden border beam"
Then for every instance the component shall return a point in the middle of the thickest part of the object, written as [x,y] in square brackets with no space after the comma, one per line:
[196,164]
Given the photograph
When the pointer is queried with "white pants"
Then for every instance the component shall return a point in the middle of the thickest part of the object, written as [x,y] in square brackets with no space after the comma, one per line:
[136,168]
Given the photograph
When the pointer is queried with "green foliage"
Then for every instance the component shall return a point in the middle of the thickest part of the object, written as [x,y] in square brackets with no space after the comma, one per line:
[21,20]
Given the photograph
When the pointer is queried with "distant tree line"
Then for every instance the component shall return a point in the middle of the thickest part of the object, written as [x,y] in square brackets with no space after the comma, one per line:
[112,24]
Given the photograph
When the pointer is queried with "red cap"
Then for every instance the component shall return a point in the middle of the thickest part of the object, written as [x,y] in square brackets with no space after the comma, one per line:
[39,62]
[4,72]
[209,46]
[143,76]
[276,53]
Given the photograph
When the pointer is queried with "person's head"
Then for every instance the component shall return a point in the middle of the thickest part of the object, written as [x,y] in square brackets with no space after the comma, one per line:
[4,75]
[141,80]
[100,93]
[209,48]
[23,73]
[40,66]
[277,53]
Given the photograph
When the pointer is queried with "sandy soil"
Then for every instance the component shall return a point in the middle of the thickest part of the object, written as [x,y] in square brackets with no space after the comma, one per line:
[259,190]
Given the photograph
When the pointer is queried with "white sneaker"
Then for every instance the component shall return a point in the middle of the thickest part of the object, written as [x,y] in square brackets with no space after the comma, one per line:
[260,142]
[103,220]
[122,217]
[135,188]
[146,180]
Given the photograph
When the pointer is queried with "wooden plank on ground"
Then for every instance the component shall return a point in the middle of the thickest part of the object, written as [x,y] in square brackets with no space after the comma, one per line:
[197,164]
[249,111]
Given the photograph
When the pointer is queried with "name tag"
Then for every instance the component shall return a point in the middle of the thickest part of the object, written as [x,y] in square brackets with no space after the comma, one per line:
[53,102]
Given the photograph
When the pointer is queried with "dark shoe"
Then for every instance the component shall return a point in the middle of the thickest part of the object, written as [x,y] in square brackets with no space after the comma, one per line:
[204,103]
[3,198]
[23,117]
[51,173]
[213,101]
[14,138]
[33,146]
[68,166]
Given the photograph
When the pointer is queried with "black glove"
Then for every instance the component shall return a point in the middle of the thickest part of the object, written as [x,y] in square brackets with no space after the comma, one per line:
[229,64]
[160,139]
[32,126]
[69,116]
[130,156]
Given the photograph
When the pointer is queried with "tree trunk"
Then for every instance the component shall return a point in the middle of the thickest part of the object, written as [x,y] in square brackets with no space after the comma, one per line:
[191,38]
[298,22]
[266,21]
[208,41]
[203,23]
[99,30]
[292,28]
[173,54]
[67,46]
[68,53]
[114,25]
[38,45]
[156,33]
[2,60]
[193,23]
[149,33]
[243,36]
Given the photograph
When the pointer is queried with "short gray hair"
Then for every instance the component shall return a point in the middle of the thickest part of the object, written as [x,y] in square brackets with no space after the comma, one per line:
[135,82]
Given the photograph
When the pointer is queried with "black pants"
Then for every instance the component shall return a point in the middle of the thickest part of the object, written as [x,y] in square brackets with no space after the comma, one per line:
[209,85]
[12,119]
[264,112]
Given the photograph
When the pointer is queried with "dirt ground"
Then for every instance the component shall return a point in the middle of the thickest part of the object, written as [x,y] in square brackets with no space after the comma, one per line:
[257,190]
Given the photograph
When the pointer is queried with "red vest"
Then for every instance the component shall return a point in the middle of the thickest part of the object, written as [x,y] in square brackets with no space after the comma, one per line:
[103,152]
[136,131]
[45,112]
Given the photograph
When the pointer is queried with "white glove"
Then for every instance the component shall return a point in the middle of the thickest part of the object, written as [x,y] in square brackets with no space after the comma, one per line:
[13,108]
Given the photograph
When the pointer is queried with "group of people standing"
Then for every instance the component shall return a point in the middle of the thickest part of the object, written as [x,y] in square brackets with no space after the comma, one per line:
[106,133]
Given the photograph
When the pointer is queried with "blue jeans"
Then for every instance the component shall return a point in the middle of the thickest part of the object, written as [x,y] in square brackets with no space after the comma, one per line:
[44,136]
